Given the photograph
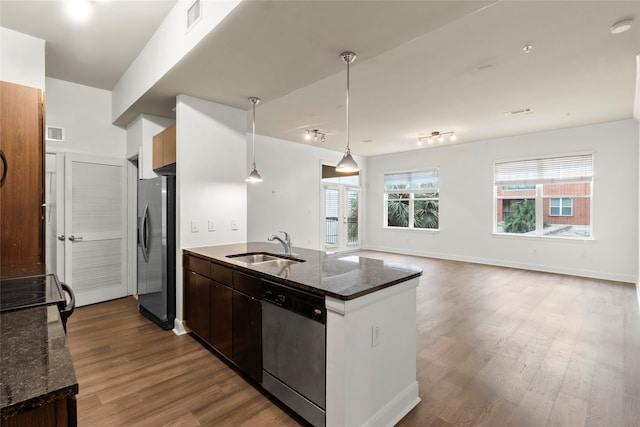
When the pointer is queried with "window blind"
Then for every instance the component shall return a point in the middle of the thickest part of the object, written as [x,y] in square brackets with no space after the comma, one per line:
[420,180]
[578,168]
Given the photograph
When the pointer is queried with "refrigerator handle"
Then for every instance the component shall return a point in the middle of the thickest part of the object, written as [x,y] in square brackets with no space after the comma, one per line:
[144,234]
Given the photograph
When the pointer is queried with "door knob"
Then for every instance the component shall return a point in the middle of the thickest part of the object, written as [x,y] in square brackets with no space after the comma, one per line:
[61,237]
[75,238]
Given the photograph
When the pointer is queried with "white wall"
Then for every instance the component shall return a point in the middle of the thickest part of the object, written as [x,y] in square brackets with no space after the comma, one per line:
[169,44]
[85,114]
[140,134]
[211,155]
[466,203]
[288,198]
[21,59]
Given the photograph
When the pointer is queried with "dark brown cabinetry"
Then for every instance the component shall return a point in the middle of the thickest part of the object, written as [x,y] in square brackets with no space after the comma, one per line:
[196,303]
[247,325]
[221,318]
[222,307]
[21,176]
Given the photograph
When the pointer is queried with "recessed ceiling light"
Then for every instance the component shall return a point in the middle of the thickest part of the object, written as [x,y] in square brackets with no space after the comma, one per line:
[527,48]
[621,27]
[79,10]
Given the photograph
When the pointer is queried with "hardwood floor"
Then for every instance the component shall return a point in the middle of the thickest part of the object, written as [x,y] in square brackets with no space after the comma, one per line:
[495,347]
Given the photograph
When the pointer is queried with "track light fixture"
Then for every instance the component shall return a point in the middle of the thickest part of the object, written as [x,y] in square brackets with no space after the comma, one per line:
[315,133]
[437,136]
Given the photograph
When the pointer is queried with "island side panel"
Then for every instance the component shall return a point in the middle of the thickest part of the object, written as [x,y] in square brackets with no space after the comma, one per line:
[372,383]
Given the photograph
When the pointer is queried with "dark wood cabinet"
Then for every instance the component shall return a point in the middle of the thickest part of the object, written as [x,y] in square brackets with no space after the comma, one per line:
[22,172]
[59,413]
[197,304]
[221,318]
[222,306]
[247,334]
[247,324]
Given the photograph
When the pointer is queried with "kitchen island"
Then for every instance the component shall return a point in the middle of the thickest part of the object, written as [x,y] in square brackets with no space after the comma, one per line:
[370,306]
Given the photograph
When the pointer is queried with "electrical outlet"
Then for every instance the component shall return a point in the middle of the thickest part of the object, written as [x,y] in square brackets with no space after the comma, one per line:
[234,224]
[212,225]
[375,336]
[195,226]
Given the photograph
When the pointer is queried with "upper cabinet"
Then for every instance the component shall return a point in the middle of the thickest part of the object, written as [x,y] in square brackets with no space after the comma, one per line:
[164,151]
[21,178]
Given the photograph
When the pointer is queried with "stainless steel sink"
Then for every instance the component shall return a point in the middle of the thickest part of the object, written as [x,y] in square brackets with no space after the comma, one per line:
[264,258]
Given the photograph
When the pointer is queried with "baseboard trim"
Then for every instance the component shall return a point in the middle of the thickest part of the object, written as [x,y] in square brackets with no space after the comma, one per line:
[391,413]
[592,274]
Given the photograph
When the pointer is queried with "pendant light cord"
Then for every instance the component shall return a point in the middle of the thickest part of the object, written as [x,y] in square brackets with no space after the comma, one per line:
[348,150]
[254,133]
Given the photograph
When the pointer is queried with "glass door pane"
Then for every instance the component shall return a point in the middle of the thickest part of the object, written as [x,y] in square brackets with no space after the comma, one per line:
[353,215]
[332,202]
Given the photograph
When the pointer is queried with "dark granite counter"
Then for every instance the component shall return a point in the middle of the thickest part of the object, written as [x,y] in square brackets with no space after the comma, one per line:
[35,364]
[341,275]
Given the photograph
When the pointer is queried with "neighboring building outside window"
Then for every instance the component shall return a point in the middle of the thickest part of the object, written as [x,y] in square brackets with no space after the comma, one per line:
[545,197]
[412,200]
[561,207]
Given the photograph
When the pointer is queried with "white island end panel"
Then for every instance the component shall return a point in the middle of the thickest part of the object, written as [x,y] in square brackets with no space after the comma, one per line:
[371,380]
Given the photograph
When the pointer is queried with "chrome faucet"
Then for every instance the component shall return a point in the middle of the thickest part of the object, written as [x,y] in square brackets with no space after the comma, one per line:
[286,242]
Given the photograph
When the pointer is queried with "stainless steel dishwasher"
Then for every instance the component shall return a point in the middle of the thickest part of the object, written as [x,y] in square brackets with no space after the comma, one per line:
[294,348]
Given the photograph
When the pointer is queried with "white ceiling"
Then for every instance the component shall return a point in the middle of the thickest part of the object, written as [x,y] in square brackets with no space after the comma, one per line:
[421,66]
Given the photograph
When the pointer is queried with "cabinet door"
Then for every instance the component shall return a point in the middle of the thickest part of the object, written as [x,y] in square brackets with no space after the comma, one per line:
[22,190]
[169,148]
[221,318]
[158,150]
[247,335]
[196,304]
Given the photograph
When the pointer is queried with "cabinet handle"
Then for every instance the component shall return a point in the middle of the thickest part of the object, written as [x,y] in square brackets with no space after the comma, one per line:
[5,168]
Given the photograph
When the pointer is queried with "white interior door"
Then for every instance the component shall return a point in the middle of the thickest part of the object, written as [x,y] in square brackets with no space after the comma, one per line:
[95,228]
[341,218]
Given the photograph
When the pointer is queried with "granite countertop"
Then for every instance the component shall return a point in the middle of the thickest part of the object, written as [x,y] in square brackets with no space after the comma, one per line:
[340,275]
[35,363]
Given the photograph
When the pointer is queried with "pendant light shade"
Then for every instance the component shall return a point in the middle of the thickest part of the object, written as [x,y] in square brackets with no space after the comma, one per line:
[347,164]
[254,176]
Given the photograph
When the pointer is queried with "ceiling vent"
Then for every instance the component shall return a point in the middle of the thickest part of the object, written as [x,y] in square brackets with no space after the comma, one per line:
[193,14]
[55,134]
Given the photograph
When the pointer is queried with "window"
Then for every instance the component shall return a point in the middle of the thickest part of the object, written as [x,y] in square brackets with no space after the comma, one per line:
[548,197]
[561,207]
[412,200]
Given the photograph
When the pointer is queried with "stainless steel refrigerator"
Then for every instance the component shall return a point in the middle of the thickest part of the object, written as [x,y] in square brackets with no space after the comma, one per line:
[157,250]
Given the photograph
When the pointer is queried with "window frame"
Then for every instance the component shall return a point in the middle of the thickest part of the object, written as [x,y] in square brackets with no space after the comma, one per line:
[540,197]
[411,200]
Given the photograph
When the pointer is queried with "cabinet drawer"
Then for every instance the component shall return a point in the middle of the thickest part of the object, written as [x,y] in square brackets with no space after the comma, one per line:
[198,265]
[221,274]
[249,285]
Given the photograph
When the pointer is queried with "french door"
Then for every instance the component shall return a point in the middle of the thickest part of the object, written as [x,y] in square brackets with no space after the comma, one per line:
[341,219]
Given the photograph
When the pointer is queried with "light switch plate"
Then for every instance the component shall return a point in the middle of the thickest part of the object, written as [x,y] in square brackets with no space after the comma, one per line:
[195,226]
[234,224]
[212,225]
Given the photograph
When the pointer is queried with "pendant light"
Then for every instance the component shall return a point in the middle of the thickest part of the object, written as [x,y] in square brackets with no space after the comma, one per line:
[254,176]
[347,164]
